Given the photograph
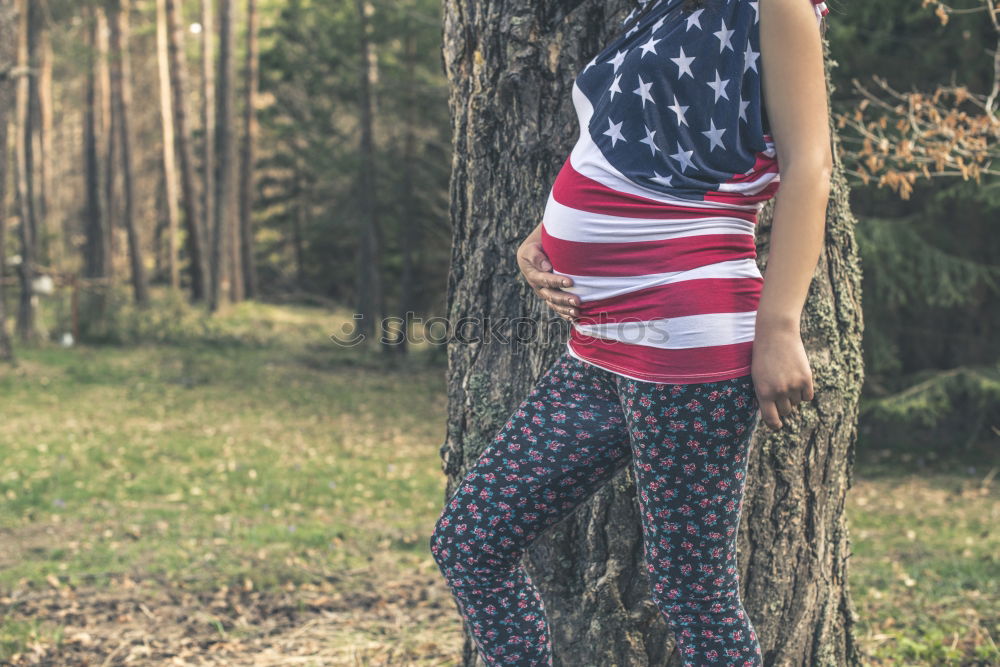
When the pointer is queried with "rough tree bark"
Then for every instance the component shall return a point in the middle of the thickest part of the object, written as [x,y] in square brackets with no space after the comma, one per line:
[511,65]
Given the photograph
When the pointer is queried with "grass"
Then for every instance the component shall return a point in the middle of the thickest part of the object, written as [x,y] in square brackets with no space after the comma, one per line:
[265,472]
[924,570]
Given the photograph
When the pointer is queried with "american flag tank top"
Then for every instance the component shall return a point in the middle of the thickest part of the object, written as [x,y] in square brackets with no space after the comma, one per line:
[653,213]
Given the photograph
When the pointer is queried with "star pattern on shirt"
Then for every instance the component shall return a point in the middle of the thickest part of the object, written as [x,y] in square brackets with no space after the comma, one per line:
[650,46]
[706,68]
[714,136]
[719,86]
[643,92]
[650,134]
[615,132]
[725,36]
[684,157]
[694,20]
[615,88]
[617,60]
[750,58]
[679,110]
[683,64]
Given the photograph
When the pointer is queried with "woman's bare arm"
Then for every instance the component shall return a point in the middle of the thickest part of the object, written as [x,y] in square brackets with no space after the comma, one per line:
[794,91]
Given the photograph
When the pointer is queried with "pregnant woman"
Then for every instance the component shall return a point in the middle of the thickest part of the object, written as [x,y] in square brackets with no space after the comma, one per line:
[679,346]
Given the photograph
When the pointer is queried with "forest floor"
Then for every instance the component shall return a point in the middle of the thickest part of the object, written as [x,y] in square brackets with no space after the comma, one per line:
[252,494]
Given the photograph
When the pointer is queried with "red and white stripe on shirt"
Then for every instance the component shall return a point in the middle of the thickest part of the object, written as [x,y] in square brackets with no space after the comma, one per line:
[668,293]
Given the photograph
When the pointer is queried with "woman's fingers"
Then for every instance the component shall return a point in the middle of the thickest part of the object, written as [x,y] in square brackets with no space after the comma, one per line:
[773,408]
[536,257]
[769,413]
[542,279]
[784,405]
[558,297]
[533,261]
[549,287]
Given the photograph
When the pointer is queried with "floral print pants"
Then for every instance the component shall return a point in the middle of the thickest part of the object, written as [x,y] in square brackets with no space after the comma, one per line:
[579,426]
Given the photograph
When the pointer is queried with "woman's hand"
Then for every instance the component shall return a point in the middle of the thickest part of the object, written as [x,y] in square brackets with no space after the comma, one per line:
[781,374]
[537,271]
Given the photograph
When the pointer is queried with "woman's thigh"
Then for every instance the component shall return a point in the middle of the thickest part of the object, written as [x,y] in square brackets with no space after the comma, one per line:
[560,445]
[690,445]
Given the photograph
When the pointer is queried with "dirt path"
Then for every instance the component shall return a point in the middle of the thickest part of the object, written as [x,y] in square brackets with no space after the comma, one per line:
[359,618]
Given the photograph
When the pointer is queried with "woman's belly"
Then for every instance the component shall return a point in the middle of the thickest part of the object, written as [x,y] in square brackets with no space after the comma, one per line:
[667,292]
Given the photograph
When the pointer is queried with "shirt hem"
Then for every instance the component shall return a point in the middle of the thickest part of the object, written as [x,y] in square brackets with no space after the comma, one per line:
[660,379]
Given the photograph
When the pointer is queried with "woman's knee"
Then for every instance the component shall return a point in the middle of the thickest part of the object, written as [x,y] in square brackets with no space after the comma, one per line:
[474,545]
[441,538]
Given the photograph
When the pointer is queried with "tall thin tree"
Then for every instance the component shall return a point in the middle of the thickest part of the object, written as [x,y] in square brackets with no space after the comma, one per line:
[109,140]
[169,141]
[36,25]
[195,240]
[409,233]
[252,83]
[8,60]
[227,264]
[121,94]
[369,288]
[96,251]
[208,145]
[25,176]
[42,100]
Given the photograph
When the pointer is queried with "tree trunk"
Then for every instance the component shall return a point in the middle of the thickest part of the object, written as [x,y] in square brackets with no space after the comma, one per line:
[25,177]
[511,70]
[169,141]
[109,130]
[410,230]
[230,275]
[369,290]
[8,59]
[299,221]
[247,152]
[161,225]
[6,33]
[194,224]
[208,149]
[36,21]
[43,98]
[96,251]
[796,543]
[121,95]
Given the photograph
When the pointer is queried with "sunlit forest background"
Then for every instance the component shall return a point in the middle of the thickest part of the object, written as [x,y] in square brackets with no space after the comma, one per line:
[172,148]
[197,197]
